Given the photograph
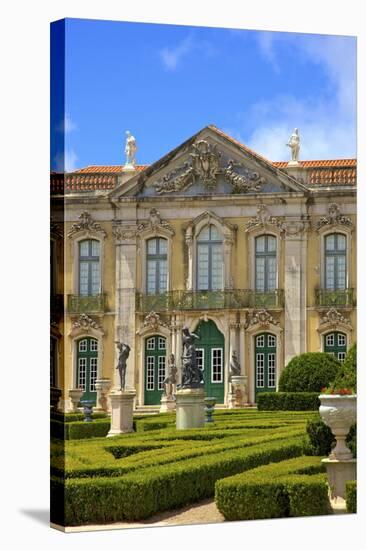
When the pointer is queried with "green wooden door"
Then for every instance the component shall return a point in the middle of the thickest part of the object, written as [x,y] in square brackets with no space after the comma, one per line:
[210,355]
[87,367]
[155,359]
[336,344]
[265,363]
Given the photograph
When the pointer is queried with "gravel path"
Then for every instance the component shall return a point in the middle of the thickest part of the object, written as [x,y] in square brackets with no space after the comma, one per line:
[202,512]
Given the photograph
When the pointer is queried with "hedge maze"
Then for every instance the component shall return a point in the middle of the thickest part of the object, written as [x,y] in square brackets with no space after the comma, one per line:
[131,477]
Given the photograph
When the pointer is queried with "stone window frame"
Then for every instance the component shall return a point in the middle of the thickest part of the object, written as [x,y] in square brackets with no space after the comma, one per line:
[144,333]
[252,332]
[260,232]
[228,232]
[144,236]
[76,239]
[328,328]
[77,334]
[323,233]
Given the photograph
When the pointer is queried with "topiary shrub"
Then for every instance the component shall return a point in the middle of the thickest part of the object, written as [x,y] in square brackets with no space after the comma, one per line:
[347,375]
[321,440]
[288,401]
[309,372]
[351,497]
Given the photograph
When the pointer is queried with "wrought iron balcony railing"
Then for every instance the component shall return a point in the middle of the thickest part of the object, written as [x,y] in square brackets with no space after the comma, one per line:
[86,304]
[335,298]
[208,299]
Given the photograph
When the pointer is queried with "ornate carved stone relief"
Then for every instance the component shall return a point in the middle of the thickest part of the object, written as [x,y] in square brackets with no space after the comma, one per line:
[87,224]
[204,165]
[152,320]
[86,323]
[334,218]
[246,181]
[333,318]
[261,318]
[124,232]
[264,219]
[155,222]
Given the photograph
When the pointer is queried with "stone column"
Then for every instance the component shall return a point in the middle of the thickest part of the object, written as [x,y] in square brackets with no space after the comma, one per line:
[125,329]
[295,287]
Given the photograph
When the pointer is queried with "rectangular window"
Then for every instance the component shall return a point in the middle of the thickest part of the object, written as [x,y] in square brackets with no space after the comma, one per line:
[150,373]
[271,273]
[341,356]
[200,354]
[341,340]
[93,372]
[83,345]
[260,274]
[217,267]
[150,344]
[259,360]
[271,370]
[161,343]
[202,267]
[271,341]
[329,340]
[260,341]
[216,365]
[82,372]
[161,372]
[84,279]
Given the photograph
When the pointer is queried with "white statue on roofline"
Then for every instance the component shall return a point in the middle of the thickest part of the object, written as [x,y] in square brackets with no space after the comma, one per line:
[294,144]
[130,150]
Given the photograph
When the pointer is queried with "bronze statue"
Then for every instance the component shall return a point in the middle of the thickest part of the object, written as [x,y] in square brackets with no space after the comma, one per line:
[124,352]
[192,376]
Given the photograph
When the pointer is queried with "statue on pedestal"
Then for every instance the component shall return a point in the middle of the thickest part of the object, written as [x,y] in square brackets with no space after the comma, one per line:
[235,369]
[171,378]
[124,352]
[192,376]
[130,150]
[294,144]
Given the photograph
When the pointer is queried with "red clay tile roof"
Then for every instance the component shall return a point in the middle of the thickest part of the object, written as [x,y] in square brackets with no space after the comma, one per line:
[319,163]
[96,169]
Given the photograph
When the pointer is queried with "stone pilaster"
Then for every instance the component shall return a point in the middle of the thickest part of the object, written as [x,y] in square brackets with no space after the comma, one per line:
[295,287]
[125,241]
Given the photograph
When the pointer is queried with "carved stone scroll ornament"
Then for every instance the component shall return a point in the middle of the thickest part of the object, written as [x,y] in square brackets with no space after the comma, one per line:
[86,223]
[155,222]
[179,179]
[263,219]
[246,181]
[85,323]
[124,232]
[260,317]
[334,218]
[334,318]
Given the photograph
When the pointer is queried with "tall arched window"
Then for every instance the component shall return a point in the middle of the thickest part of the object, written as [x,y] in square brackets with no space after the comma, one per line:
[89,267]
[209,259]
[157,265]
[265,263]
[335,262]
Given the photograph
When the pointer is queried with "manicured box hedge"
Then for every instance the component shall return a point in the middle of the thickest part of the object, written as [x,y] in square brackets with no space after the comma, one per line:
[288,401]
[351,497]
[80,430]
[289,488]
[142,493]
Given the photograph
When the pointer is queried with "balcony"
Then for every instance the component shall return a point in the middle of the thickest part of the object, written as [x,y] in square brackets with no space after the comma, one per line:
[86,304]
[335,298]
[181,300]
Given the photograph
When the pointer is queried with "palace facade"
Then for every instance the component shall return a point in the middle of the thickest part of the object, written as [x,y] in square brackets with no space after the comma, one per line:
[254,256]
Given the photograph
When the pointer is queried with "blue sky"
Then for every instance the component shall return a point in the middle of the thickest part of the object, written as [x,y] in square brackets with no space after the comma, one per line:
[165,82]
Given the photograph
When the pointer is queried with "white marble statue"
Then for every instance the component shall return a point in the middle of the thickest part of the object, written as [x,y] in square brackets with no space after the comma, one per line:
[294,144]
[130,149]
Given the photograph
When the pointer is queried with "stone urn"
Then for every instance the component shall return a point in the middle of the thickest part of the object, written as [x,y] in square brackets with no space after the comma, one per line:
[210,403]
[102,385]
[75,396]
[87,409]
[339,413]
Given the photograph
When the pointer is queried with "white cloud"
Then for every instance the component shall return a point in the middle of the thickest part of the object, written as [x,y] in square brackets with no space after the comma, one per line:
[327,121]
[67,125]
[65,162]
[173,56]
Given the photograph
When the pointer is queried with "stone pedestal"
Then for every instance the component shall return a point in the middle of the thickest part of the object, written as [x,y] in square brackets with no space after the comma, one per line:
[167,404]
[190,405]
[121,412]
[339,472]
[239,384]
[102,385]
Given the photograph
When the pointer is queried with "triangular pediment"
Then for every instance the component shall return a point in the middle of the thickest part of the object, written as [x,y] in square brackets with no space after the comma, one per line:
[209,163]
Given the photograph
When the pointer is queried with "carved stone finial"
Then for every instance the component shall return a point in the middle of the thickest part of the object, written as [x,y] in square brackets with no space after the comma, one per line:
[87,224]
[263,219]
[334,218]
[155,222]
